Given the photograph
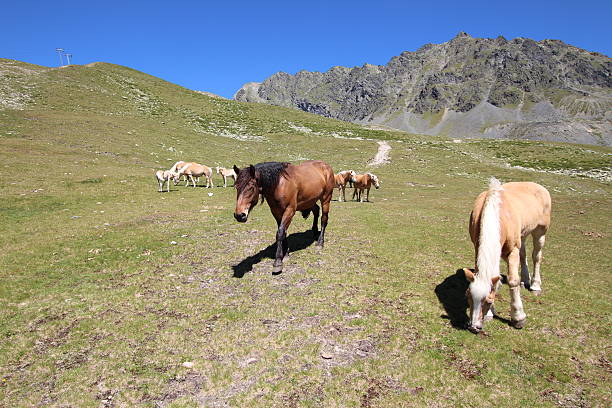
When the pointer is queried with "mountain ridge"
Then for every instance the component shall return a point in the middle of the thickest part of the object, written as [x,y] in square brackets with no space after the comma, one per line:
[466,87]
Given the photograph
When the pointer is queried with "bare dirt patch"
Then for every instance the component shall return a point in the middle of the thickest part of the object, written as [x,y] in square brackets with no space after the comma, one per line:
[382,156]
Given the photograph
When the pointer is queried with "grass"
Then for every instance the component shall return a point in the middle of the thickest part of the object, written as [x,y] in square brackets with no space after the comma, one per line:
[100,308]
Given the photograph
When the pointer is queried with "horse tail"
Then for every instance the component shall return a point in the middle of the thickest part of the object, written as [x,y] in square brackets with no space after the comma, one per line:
[489,246]
[306,213]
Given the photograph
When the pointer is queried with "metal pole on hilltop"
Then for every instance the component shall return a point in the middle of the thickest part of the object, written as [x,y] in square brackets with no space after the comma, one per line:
[60,51]
[68,58]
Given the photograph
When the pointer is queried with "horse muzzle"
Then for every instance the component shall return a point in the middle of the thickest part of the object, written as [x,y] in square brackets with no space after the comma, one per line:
[474,328]
[242,217]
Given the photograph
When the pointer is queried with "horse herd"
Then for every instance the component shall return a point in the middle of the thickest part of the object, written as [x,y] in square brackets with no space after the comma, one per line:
[502,218]
[191,171]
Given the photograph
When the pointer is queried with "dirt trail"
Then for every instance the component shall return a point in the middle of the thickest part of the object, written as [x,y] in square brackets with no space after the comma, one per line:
[382,156]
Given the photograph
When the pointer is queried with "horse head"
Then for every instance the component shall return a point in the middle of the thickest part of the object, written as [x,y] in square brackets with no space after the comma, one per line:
[375,180]
[247,192]
[480,296]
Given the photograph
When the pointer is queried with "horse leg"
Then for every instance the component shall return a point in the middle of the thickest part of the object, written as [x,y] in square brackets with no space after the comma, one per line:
[224,181]
[524,266]
[539,238]
[354,194]
[324,216]
[168,181]
[315,221]
[282,246]
[368,195]
[161,186]
[517,314]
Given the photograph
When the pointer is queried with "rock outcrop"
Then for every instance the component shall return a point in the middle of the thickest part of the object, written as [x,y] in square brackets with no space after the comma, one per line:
[466,87]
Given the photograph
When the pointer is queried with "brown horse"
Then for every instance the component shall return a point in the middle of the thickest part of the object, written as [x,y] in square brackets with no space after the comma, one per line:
[342,179]
[363,182]
[500,222]
[287,188]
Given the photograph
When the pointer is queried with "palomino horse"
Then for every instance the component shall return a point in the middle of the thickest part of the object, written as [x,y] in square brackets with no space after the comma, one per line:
[287,188]
[341,179]
[500,222]
[163,176]
[175,168]
[364,182]
[226,173]
[195,171]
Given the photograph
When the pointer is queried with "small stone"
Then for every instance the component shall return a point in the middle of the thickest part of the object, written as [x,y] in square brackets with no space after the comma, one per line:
[188,364]
[173,242]
[210,194]
[326,355]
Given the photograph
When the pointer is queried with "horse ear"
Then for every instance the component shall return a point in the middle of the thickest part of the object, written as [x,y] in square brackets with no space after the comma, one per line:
[494,280]
[236,170]
[252,170]
[469,275]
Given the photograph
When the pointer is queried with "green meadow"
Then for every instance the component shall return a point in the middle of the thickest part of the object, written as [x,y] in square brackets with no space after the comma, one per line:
[114,294]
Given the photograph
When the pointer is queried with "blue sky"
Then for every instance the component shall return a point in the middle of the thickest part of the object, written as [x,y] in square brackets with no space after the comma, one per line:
[218,47]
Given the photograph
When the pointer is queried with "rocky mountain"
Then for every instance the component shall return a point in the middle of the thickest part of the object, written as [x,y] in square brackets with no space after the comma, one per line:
[466,87]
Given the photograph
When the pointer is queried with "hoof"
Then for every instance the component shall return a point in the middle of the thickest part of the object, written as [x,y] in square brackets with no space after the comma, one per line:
[487,318]
[276,269]
[536,292]
[518,324]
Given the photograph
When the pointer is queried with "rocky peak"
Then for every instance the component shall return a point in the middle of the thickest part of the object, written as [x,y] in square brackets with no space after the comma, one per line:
[487,82]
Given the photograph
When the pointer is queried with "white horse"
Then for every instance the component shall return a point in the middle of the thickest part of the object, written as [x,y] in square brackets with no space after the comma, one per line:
[164,176]
[226,173]
[502,218]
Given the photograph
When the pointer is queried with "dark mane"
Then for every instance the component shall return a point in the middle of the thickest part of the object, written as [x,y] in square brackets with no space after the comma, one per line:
[269,175]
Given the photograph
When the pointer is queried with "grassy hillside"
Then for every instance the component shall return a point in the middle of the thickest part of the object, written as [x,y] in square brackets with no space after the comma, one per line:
[115,295]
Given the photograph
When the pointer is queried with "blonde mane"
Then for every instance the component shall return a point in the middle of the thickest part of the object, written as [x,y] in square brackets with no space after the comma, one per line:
[489,247]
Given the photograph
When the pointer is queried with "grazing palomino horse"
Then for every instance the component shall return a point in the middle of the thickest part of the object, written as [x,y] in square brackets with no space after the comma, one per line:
[226,173]
[502,218]
[163,176]
[287,188]
[175,168]
[341,179]
[195,171]
[364,182]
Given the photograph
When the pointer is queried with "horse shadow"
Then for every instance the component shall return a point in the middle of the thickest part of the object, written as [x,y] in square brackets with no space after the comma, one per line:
[296,241]
[451,294]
